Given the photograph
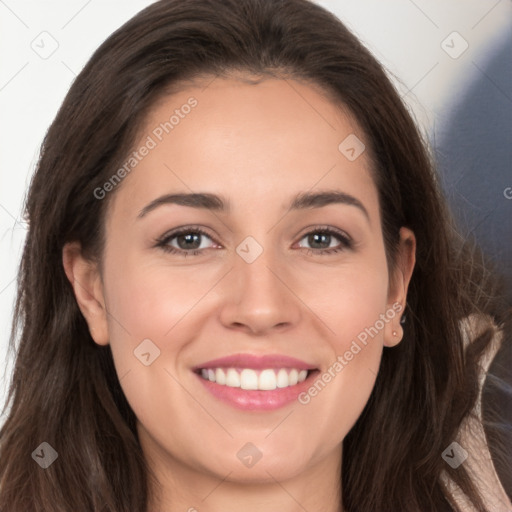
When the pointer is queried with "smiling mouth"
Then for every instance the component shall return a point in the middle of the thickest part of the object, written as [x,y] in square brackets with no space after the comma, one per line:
[266,379]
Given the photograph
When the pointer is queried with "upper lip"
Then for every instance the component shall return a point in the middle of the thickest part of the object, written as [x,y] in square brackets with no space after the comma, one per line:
[256,362]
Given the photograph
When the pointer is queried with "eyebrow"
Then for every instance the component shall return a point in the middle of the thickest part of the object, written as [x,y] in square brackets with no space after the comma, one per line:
[301,201]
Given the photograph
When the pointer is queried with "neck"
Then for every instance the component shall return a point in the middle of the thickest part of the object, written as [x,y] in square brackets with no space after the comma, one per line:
[179,488]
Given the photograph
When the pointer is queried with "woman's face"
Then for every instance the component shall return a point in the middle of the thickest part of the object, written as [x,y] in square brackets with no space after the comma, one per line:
[286,281]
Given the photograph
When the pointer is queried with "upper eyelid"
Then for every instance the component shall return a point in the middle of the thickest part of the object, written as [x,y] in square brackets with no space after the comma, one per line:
[169,235]
[329,229]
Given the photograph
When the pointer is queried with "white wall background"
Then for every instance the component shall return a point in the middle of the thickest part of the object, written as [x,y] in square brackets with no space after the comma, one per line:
[406,35]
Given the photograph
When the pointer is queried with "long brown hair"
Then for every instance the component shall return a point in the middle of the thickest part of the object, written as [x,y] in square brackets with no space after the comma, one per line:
[65,390]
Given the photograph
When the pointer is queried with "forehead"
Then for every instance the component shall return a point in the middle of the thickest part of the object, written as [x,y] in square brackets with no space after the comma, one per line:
[248,141]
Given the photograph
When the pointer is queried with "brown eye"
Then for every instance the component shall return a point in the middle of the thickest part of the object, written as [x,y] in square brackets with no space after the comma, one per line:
[188,241]
[326,241]
[320,240]
[185,241]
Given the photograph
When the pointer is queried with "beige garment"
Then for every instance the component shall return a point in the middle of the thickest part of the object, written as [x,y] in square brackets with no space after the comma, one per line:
[472,437]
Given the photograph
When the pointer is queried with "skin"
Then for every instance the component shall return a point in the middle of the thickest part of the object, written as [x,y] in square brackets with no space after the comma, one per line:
[257,145]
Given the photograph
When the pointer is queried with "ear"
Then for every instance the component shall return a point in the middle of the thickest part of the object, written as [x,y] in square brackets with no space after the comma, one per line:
[85,278]
[398,285]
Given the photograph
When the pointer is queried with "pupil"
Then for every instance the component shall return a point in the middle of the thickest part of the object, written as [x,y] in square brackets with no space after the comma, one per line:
[319,239]
[194,238]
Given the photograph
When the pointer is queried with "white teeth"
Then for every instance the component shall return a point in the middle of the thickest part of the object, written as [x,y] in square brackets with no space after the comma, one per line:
[267,380]
[232,378]
[247,378]
[220,376]
[282,378]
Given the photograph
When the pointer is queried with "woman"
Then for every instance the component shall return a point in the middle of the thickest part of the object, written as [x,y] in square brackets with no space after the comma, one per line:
[241,285]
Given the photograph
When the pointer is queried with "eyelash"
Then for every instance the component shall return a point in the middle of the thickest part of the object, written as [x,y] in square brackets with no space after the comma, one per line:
[163,242]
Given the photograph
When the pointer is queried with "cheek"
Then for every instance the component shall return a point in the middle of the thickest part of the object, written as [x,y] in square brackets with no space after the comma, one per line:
[349,298]
[151,322]
[151,302]
[151,296]
[354,306]
[358,307]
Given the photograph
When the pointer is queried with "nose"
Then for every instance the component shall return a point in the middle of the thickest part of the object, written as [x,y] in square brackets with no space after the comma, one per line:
[259,297]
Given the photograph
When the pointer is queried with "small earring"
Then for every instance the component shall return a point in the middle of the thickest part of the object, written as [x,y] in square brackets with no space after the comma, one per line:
[395,334]
[403,319]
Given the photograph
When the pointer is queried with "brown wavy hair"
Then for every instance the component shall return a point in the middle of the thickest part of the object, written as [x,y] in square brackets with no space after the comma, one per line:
[64,388]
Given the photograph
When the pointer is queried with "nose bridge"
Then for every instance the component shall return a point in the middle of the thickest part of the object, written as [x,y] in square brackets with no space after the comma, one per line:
[255,268]
[257,297]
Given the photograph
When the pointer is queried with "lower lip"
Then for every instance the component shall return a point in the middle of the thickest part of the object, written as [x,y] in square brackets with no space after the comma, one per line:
[257,400]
